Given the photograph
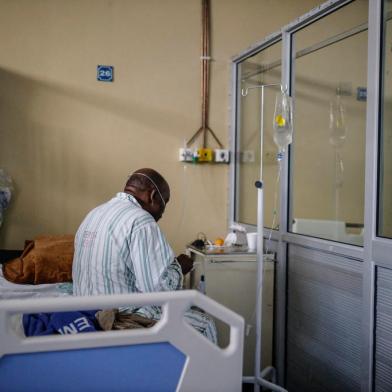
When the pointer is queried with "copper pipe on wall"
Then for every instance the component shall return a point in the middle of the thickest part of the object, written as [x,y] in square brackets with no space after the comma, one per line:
[205,62]
[205,77]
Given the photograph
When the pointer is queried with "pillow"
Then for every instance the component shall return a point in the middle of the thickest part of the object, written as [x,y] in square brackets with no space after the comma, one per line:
[47,259]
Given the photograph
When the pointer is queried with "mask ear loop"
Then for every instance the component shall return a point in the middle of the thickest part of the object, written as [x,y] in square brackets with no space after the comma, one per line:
[155,185]
[153,193]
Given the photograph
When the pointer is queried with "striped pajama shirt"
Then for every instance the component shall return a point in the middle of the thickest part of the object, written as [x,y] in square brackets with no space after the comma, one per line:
[119,248]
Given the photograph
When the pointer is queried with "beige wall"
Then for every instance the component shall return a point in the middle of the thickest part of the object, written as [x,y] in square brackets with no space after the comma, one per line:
[69,141]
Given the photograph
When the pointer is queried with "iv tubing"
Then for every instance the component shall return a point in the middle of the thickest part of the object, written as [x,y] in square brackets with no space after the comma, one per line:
[275,206]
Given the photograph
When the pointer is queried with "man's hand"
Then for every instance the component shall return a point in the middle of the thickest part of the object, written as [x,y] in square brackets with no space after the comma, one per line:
[185,262]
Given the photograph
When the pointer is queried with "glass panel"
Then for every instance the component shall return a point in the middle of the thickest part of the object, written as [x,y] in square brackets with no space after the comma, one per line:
[385,192]
[262,68]
[328,161]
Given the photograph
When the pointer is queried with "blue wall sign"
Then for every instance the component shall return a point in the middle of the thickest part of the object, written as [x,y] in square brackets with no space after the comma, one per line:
[105,73]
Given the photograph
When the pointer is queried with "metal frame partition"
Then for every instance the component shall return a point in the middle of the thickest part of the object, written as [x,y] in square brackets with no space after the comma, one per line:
[372,140]
[258,378]
[378,262]
[234,123]
[376,251]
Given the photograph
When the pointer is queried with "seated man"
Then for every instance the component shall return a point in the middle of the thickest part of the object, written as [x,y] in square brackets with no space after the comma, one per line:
[119,248]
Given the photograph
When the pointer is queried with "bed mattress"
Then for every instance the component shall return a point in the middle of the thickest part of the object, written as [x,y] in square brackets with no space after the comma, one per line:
[10,290]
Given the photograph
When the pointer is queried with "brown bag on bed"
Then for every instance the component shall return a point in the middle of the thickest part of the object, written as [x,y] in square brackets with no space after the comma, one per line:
[47,259]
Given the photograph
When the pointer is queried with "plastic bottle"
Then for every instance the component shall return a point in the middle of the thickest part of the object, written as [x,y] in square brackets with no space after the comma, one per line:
[337,123]
[202,285]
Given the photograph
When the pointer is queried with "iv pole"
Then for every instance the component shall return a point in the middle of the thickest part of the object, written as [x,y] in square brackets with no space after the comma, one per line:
[258,378]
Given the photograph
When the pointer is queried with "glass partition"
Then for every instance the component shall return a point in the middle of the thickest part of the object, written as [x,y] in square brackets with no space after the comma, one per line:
[329,75]
[262,68]
[385,183]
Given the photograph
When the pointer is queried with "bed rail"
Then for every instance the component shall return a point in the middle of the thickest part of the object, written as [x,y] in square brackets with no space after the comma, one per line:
[205,366]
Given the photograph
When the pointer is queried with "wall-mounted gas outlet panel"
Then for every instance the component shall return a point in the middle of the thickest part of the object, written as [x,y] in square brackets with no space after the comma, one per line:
[204,155]
[186,155]
[222,156]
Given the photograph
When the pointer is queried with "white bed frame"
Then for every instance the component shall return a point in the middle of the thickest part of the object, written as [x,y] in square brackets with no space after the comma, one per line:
[206,367]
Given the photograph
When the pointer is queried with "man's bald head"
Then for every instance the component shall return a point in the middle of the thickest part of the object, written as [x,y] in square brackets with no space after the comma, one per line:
[149,178]
[149,181]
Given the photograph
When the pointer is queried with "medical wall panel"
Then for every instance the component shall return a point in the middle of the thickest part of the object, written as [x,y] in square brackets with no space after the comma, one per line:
[324,305]
[383,339]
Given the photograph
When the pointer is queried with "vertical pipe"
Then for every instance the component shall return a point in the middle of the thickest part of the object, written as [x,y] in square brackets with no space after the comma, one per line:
[205,67]
[203,71]
[205,78]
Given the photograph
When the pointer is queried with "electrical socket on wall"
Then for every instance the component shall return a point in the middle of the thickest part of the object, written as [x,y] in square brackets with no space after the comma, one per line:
[185,155]
[205,154]
[222,156]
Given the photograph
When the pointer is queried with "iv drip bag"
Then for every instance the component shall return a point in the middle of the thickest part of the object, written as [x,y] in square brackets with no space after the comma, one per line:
[283,121]
[337,123]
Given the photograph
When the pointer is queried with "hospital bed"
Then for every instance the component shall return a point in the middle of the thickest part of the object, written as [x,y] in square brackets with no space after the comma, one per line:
[170,356]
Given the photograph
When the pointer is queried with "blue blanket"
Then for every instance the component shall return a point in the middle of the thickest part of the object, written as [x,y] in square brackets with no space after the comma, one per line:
[60,323]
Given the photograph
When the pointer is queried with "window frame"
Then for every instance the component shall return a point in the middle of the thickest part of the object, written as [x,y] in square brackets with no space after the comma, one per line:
[285,204]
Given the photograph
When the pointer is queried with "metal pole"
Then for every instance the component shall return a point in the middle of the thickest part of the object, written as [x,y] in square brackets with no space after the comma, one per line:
[259,258]
[260,243]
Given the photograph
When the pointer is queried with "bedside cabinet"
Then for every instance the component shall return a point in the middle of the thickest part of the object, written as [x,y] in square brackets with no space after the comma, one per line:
[230,279]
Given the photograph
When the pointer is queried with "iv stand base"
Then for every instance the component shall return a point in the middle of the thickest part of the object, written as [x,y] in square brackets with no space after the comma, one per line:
[261,381]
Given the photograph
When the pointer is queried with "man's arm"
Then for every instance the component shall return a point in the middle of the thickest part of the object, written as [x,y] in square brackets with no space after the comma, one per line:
[185,262]
[153,260]
[172,277]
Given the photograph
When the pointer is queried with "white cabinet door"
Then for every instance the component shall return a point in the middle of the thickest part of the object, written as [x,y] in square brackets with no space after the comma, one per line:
[233,284]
